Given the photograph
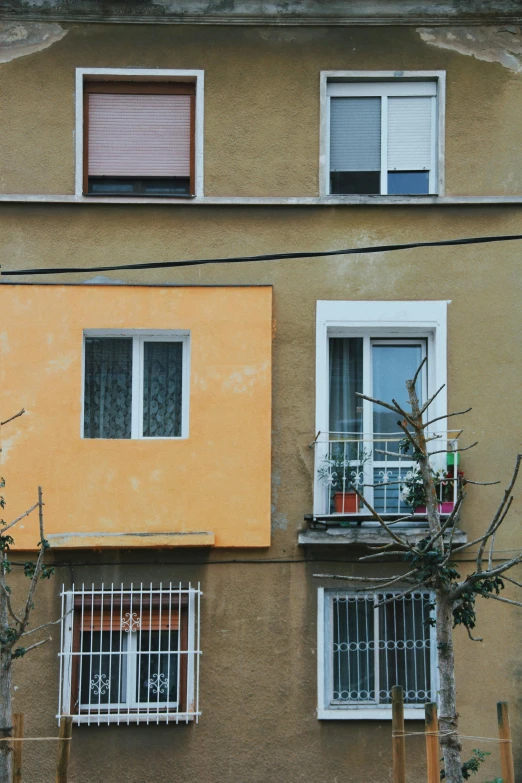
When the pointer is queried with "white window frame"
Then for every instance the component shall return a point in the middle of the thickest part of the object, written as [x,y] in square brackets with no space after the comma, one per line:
[328,711]
[381,83]
[370,320]
[146,75]
[131,711]
[139,337]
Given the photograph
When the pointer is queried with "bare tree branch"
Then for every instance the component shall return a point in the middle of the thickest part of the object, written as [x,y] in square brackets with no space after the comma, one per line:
[47,625]
[34,646]
[447,416]
[20,413]
[418,372]
[25,514]
[428,403]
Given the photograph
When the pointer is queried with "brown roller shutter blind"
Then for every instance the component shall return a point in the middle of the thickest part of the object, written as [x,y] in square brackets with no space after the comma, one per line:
[132,135]
[141,621]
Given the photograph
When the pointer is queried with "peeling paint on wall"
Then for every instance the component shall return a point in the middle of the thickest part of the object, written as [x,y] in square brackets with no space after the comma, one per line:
[494,44]
[17,40]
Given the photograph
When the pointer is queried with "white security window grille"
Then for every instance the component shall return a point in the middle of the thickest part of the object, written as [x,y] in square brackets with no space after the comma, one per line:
[135,387]
[130,655]
[373,641]
[383,137]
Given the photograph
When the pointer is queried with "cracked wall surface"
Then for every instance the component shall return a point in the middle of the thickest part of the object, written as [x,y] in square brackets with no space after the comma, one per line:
[494,44]
[18,40]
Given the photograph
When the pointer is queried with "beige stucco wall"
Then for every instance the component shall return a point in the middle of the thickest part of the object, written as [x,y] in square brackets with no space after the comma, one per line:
[258,688]
[261,103]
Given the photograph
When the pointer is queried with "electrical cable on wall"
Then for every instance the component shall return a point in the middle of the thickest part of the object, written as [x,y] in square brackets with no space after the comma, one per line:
[265,257]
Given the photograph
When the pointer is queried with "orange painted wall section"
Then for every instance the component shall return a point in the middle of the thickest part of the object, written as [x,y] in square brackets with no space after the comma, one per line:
[212,488]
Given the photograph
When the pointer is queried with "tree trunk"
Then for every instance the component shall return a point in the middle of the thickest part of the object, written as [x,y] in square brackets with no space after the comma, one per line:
[5,717]
[448,718]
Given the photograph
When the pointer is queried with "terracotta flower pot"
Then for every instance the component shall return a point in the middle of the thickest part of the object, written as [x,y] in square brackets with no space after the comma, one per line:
[346,503]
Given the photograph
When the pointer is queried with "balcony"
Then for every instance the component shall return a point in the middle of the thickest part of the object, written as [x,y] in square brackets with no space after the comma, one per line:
[387,477]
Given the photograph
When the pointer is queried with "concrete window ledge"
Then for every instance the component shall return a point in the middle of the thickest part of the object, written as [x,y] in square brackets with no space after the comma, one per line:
[363,536]
[123,540]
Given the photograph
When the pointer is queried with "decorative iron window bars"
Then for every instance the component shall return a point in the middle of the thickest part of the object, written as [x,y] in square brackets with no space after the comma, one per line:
[372,642]
[130,655]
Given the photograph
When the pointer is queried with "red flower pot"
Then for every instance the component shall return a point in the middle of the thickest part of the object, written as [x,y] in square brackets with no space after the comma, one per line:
[446,507]
[346,503]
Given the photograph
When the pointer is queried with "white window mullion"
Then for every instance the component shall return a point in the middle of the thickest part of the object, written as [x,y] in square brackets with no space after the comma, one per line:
[132,648]
[376,649]
[137,388]
[384,145]
[368,419]
[433,175]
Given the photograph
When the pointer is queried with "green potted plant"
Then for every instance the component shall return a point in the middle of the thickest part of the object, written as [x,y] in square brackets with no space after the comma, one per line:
[413,494]
[341,475]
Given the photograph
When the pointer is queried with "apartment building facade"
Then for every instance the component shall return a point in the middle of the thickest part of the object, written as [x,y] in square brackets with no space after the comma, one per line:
[193,427]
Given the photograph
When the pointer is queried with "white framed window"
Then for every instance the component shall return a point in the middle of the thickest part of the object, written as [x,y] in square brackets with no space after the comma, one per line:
[135,384]
[367,643]
[372,348]
[130,655]
[139,132]
[382,133]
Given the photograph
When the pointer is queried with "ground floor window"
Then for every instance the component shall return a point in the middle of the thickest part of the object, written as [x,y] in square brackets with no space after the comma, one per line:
[130,654]
[369,642]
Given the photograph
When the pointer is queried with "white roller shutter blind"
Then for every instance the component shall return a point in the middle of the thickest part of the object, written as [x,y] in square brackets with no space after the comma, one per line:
[410,134]
[355,134]
[139,135]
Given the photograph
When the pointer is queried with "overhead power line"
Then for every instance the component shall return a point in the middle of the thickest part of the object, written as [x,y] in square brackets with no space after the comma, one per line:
[265,257]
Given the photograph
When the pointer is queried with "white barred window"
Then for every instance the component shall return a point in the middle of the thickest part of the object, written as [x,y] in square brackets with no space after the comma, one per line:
[130,655]
[369,642]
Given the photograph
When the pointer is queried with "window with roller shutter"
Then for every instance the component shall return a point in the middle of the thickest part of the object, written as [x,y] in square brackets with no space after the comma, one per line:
[383,137]
[139,138]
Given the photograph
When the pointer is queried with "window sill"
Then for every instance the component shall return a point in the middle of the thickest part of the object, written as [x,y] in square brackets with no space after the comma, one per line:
[368,713]
[137,539]
[290,201]
[143,717]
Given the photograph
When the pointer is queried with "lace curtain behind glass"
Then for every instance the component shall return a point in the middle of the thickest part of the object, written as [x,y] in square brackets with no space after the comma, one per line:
[108,387]
[162,389]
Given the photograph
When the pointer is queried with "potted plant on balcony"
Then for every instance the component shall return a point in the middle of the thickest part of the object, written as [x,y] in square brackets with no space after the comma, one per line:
[413,494]
[341,475]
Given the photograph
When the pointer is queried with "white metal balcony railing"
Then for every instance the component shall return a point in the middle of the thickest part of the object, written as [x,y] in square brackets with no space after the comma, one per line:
[377,468]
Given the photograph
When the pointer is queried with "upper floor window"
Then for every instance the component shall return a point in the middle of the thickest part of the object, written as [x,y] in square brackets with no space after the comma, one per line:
[141,133]
[135,386]
[384,137]
[373,348]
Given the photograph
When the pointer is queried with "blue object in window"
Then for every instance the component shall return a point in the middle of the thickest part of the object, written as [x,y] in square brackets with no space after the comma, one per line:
[408,183]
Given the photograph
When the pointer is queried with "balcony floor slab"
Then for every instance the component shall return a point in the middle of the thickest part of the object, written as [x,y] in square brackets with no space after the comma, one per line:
[364,536]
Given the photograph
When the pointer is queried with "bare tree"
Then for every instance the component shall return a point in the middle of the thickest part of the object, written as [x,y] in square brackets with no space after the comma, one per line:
[430,563]
[14,624]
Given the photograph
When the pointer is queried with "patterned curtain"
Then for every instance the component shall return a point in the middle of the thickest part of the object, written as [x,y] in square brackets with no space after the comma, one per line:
[346,359]
[162,385]
[108,387]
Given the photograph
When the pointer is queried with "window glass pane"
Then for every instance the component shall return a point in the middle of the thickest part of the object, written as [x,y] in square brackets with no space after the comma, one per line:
[346,360]
[102,675]
[353,648]
[108,387]
[392,366]
[162,389]
[355,134]
[405,648]
[408,182]
[355,182]
[157,677]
